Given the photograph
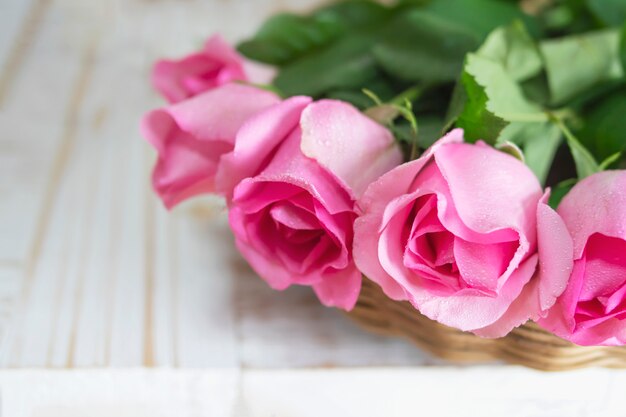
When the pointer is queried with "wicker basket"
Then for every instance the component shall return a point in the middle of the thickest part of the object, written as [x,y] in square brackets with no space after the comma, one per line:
[527,345]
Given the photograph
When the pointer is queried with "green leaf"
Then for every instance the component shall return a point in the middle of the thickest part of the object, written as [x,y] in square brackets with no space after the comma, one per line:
[355,13]
[559,191]
[284,37]
[422,47]
[622,47]
[505,95]
[586,165]
[480,16]
[489,100]
[347,64]
[609,12]
[539,142]
[604,130]
[515,49]
[475,117]
[577,63]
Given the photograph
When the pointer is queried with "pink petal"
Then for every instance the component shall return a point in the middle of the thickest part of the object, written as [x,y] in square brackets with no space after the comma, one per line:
[468,311]
[605,270]
[520,310]
[372,205]
[217,64]
[556,252]
[191,137]
[340,289]
[348,144]
[257,141]
[481,265]
[481,173]
[596,204]
[290,166]
[272,272]
[218,50]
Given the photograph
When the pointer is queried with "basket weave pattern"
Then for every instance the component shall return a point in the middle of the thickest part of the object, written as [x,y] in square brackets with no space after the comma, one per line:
[527,345]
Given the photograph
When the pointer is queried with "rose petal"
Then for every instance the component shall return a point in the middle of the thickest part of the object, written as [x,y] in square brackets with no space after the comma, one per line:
[597,204]
[372,207]
[217,64]
[354,148]
[257,141]
[340,289]
[481,173]
[556,252]
[469,311]
[191,137]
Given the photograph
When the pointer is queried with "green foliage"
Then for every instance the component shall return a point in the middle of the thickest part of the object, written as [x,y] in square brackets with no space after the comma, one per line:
[480,16]
[609,12]
[604,129]
[539,142]
[577,63]
[287,37]
[622,47]
[514,48]
[422,47]
[347,64]
[521,83]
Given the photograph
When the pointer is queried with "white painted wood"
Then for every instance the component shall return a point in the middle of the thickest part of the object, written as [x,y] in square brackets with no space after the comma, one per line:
[437,392]
[372,392]
[19,22]
[118,393]
[34,120]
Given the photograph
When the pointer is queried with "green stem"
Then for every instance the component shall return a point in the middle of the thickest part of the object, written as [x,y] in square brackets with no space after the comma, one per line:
[410,94]
[586,164]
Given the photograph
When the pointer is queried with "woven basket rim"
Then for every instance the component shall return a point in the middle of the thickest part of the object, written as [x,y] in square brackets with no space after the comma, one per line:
[528,345]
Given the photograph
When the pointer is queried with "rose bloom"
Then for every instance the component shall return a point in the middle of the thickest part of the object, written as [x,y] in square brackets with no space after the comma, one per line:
[296,172]
[215,65]
[592,310]
[464,234]
[191,137]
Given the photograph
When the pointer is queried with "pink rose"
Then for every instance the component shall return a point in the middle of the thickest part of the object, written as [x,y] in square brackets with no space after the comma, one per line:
[464,234]
[215,65]
[302,166]
[592,310]
[191,137]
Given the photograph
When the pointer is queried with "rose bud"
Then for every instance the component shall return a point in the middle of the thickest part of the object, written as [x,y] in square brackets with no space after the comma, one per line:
[191,137]
[464,234]
[592,310]
[215,65]
[302,166]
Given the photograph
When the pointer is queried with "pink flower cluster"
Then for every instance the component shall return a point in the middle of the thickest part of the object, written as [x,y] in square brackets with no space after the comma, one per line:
[318,196]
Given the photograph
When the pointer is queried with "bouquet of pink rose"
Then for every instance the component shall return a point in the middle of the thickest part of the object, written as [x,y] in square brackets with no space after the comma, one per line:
[416,145]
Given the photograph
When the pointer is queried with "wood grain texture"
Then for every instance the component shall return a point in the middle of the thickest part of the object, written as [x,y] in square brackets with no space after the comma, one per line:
[93,271]
[372,392]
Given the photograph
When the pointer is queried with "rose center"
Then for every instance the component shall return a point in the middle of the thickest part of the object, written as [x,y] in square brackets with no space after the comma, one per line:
[603,289]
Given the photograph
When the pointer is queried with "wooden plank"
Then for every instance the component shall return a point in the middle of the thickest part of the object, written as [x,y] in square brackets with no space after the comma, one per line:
[120,393]
[374,392]
[19,25]
[448,392]
[37,133]
[291,328]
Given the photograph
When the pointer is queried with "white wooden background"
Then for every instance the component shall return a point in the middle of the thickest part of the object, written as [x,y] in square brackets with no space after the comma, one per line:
[94,273]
